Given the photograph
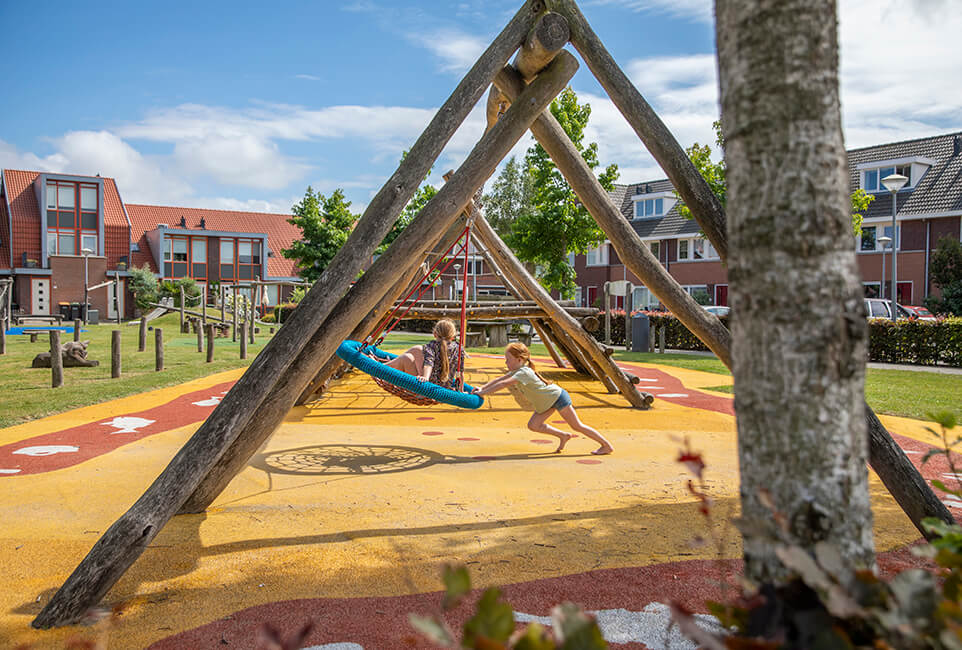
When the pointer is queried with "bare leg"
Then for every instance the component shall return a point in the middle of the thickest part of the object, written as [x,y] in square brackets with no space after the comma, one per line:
[538,423]
[571,417]
[411,362]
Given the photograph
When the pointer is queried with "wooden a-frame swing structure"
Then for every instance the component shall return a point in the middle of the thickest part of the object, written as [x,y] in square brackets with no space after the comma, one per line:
[335,309]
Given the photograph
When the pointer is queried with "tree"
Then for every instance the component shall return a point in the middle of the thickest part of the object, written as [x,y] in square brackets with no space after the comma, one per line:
[144,286]
[945,270]
[799,382]
[325,224]
[557,223]
[714,175]
[509,199]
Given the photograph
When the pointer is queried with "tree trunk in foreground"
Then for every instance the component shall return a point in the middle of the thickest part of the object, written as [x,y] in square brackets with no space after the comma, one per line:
[799,381]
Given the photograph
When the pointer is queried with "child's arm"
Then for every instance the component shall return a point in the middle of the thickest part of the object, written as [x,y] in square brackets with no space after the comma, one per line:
[425,373]
[496,384]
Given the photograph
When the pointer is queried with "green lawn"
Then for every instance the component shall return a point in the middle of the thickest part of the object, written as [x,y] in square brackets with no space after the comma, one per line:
[908,393]
[25,392]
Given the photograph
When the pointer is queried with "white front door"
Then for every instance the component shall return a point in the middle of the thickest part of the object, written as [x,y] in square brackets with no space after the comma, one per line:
[119,295]
[39,296]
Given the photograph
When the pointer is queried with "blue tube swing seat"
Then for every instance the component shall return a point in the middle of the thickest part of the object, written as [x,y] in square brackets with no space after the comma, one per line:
[422,393]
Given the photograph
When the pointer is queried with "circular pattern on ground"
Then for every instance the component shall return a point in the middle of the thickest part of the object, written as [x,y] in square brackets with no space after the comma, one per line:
[346,459]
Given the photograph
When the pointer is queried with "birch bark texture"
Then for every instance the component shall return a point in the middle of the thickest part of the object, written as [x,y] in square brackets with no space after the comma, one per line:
[799,336]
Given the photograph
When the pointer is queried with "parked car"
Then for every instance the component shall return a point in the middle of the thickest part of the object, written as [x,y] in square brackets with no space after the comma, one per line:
[718,310]
[879,308]
[915,312]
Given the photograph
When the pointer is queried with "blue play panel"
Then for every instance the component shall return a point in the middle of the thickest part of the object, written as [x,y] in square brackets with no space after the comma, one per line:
[62,328]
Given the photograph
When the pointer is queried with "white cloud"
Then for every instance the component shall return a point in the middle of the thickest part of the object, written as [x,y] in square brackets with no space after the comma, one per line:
[456,50]
[700,10]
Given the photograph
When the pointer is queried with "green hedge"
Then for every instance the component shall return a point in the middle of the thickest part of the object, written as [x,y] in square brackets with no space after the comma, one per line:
[916,341]
[283,311]
[907,341]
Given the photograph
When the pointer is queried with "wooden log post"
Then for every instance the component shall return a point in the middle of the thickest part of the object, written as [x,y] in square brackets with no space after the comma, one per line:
[158,349]
[211,335]
[234,307]
[607,313]
[689,184]
[56,359]
[539,328]
[115,354]
[203,466]
[243,340]
[223,307]
[631,250]
[200,337]
[117,311]
[76,329]
[182,307]
[3,336]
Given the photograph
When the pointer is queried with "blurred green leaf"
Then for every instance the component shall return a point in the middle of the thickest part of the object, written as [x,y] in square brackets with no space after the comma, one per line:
[457,583]
[494,621]
[432,628]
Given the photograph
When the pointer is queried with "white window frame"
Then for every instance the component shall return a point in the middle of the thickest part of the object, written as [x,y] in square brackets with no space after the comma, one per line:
[597,256]
[886,231]
[640,203]
[708,252]
[914,167]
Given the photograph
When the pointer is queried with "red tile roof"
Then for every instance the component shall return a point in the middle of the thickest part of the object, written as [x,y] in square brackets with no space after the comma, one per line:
[4,234]
[280,233]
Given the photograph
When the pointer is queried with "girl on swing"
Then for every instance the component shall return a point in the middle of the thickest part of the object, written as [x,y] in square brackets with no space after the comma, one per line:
[534,393]
[437,361]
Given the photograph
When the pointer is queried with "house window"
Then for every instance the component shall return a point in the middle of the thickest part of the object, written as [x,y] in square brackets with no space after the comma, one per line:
[175,257]
[579,297]
[869,241]
[696,249]
[72,218]
[198,258]
[597,256]
[641,298]
[699,292]
[649,208]
[248,258]
[226,259]
[655,249]
[872,178]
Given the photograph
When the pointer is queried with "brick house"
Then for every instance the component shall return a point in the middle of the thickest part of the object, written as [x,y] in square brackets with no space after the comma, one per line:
[85,235]
[928,207]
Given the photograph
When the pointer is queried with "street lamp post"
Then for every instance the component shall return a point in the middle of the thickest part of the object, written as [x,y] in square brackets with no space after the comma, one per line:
[884,241]
[893,183]
[86,253]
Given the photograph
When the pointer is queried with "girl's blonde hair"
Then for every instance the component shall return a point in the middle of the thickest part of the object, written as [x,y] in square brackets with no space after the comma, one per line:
[521,351]
[445,331]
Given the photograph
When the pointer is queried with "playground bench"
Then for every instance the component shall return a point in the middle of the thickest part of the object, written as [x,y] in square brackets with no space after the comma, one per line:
[34,333]
[53,319]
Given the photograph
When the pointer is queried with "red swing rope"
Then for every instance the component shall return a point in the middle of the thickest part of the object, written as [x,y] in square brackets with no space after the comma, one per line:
[383,330]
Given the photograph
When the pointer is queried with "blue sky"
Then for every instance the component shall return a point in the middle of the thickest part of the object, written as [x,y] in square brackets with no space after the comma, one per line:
[242,105]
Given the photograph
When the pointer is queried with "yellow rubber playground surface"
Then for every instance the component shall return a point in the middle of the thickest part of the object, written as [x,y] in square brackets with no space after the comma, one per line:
[348,513]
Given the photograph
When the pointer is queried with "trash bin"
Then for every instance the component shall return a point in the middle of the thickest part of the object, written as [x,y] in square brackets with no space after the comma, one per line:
[64,310]
[93,316]
[639,333]
[75,312]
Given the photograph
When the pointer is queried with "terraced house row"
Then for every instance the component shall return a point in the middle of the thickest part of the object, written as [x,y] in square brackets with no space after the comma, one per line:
[57,228]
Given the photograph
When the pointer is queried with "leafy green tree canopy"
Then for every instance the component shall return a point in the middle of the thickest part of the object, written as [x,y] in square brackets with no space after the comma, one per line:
[144,286]
[325,224]
[510,197]
[557,222]
[945,270]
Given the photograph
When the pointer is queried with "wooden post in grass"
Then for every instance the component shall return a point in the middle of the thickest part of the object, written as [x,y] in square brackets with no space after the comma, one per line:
[243,341]
[181,309]
[233,329]
[56,359]
[115,354]
[210,342]
[200,337]
[158,349]
[76,330]
[142,339]
[3,336]
[223,307]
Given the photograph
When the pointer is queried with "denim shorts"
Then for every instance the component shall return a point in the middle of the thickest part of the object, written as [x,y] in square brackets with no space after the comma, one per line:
[563,400]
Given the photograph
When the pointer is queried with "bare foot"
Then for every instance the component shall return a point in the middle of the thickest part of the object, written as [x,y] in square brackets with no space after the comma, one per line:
[604,450]
[565,437]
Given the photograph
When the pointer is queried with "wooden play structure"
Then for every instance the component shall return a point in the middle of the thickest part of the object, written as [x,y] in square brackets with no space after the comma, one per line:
[339,308]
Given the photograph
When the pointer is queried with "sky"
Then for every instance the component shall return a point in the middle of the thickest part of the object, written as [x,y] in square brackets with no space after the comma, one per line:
[243,105]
